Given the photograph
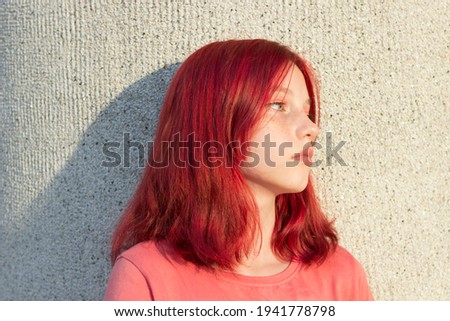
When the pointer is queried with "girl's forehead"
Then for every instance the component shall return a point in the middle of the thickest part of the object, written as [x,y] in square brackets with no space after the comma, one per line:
[293,82]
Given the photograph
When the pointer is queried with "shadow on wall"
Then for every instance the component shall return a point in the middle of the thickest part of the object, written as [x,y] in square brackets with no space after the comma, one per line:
[62,252]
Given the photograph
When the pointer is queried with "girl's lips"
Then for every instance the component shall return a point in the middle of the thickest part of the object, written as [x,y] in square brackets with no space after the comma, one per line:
[306,155]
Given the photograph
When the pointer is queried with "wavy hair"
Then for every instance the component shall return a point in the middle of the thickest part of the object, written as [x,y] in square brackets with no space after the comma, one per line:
[197,199]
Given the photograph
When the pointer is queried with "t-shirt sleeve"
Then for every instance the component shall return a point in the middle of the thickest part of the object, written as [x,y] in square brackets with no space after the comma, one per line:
[363,292]
[127,283]
[342,278]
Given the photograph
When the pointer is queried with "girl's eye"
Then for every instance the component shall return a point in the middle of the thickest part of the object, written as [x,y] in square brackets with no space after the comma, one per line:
[278,106]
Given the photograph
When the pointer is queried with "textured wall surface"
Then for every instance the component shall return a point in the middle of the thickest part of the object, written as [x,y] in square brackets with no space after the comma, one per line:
[76,74]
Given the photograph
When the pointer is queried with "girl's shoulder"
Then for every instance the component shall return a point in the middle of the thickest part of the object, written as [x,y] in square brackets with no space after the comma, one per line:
[149,254]
[139,250]
[341,263]
[340,277]
[342,256]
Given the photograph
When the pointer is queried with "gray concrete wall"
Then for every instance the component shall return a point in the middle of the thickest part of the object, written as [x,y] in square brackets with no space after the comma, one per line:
[76,74]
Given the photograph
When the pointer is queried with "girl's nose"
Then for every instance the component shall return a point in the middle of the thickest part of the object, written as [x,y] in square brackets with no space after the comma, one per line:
[307,128]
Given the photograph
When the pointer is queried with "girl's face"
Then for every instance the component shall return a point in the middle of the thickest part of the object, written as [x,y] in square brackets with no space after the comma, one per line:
[277,153]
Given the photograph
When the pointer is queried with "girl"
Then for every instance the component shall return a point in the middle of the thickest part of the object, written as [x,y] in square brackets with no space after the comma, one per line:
[226,208]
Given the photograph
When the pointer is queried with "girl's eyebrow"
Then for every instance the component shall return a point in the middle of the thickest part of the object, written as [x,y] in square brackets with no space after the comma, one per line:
[284,90]
[287,91]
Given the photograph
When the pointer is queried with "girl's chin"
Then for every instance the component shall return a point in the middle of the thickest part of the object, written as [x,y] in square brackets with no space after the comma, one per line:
[295,188]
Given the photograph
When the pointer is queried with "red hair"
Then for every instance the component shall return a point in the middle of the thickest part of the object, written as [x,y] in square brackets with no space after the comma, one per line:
[207,212]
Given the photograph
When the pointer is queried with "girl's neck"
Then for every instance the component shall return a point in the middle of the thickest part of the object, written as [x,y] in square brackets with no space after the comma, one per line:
[263,261]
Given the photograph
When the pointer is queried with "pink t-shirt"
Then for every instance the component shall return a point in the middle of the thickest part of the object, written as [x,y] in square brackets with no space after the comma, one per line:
[150,272]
